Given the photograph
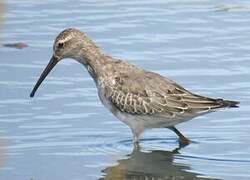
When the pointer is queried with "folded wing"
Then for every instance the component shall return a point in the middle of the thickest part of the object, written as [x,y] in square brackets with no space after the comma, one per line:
[149,93]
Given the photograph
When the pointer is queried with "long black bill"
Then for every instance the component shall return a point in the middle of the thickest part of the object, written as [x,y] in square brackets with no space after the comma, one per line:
[53,61]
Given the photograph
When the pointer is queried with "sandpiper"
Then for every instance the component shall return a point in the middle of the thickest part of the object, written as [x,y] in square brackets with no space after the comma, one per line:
[139,98]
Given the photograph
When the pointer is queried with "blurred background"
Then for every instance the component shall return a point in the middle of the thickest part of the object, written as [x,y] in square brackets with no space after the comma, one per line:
[64,132]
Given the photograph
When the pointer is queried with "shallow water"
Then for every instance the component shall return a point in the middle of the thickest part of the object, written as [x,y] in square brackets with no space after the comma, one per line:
[65,133]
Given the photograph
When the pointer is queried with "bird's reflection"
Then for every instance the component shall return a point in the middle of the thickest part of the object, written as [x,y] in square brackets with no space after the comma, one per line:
[155,165]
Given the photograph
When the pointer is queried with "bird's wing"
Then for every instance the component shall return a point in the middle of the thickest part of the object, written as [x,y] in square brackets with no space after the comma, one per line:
[149,93]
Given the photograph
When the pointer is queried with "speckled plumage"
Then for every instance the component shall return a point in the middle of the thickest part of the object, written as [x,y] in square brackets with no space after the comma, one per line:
[140,98]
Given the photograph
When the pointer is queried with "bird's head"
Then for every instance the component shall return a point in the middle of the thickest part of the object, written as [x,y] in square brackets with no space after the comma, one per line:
[70,43]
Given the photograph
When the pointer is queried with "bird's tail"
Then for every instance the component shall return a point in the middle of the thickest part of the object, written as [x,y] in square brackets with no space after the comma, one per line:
[228,103]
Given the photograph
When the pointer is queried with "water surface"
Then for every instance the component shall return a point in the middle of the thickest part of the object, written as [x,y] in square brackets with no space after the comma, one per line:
[65,133]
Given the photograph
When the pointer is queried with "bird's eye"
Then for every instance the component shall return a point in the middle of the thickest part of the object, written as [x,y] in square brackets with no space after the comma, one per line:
[60,45]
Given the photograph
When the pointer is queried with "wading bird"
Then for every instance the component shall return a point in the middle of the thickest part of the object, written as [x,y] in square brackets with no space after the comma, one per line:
[139,98]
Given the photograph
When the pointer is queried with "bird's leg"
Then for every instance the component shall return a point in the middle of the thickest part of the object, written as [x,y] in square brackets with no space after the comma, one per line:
[182,139]
[135,140]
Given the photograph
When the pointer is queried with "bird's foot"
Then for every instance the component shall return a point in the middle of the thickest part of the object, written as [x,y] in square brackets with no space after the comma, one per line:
[183,141]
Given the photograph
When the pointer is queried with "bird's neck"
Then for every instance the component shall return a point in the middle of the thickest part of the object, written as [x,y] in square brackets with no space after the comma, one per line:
[93,59]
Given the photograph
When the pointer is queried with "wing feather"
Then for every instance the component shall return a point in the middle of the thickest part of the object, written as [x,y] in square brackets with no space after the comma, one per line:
[149,93]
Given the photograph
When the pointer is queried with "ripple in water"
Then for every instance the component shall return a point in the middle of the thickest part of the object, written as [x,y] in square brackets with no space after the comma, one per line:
[66,129]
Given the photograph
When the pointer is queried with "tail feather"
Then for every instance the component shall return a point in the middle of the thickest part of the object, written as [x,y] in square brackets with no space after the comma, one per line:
[228,103]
